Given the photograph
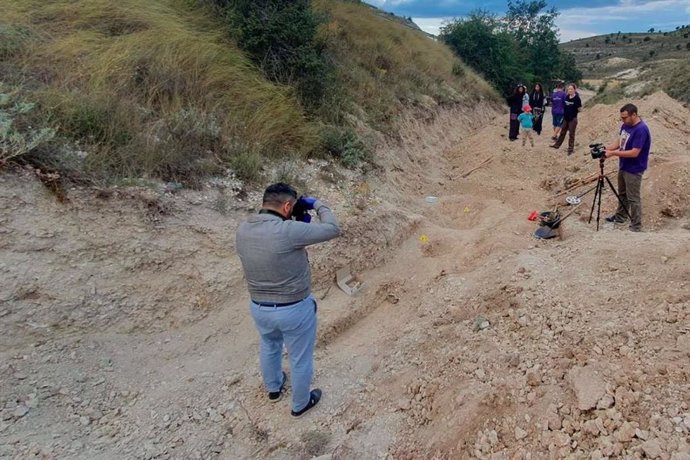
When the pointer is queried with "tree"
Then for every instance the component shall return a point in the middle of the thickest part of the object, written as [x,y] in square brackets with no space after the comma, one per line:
[480,43]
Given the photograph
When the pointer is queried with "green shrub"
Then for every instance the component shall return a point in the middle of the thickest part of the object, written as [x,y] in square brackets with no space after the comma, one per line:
[344,144]
[17,137]
[247,165]
[281,37]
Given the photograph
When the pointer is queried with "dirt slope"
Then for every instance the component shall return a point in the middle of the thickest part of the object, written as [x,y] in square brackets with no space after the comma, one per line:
[125,332]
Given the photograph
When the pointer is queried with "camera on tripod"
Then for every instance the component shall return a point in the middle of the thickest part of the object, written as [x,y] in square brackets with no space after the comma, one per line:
[598,151]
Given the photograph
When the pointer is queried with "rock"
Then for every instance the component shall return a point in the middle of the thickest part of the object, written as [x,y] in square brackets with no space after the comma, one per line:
[652,449]
[84,420]
[20,411]
[403,404]
[520,433]
[553,421]
[605,402]
[533,379]
[625,433]
[680,456]
[642,434]
[560,439]
[588,386]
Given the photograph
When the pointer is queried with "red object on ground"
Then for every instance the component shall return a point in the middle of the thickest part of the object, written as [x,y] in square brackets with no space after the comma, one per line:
[533,215]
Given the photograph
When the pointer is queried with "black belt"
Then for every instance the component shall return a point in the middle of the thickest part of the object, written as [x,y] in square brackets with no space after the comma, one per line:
[274,304]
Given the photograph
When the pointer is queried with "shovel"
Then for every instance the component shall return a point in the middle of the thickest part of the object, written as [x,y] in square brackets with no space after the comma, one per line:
[347,282]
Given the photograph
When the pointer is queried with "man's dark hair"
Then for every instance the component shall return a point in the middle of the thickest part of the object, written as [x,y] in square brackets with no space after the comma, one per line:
[279,193]
[559,85]
[630,108]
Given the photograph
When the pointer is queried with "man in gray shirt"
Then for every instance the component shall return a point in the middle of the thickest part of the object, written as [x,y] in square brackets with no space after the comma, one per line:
[272,249]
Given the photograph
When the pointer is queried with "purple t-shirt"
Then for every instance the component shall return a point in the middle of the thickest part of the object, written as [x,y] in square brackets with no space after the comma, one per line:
[557,106]
[635,137]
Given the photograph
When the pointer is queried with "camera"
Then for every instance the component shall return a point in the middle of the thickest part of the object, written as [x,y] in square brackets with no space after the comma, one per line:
[598,151]
[300,211]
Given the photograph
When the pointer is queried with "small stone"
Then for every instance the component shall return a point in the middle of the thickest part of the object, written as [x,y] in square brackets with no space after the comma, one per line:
[84,420]
[520,433]
[606,402]
[625,433]
[20,411]
[533,379]
[20,376]
[588,386]
[98,382]
[652,449]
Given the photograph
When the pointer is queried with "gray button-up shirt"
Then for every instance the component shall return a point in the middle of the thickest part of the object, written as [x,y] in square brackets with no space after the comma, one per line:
[274,256]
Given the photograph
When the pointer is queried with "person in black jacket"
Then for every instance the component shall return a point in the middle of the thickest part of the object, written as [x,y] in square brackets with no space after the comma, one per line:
[536,101]
[515,103]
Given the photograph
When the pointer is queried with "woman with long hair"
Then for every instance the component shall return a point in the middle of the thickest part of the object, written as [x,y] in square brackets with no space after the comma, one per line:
[572,105]
[515,103]
[536,101]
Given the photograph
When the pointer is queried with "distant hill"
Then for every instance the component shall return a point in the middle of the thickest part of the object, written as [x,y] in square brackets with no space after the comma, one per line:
[634,64]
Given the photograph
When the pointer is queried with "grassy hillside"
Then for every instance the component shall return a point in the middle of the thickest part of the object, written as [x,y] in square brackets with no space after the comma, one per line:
[624,65]
[160,89]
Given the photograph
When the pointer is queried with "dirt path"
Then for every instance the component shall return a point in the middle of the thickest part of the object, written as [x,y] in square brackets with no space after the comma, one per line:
[125,331]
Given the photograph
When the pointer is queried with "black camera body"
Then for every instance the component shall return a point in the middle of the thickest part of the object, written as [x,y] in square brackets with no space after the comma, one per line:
[598,151]
[300,211]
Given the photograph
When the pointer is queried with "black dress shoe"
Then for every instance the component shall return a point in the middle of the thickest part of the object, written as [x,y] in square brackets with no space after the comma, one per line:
[275,396]
[314,398]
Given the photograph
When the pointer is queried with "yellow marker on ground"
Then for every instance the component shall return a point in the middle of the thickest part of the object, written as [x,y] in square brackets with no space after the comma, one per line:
[424,239]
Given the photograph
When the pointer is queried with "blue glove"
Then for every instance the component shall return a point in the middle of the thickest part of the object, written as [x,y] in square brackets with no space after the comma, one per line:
[307,201]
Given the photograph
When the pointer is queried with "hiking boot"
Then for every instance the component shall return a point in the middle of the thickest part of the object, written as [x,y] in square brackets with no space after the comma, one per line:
[314,398]
[275,396]
[570,152]
[636,229]
[554,146]
[614,220]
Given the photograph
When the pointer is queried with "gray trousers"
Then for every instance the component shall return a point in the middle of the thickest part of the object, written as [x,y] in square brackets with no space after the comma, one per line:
[629,187]
[567,127]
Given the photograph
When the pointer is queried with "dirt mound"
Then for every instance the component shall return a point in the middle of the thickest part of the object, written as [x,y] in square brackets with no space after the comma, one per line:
[126,332]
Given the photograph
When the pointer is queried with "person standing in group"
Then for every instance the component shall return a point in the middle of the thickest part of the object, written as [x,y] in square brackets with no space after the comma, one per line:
[272,249]
[536,101]
[526,122]
[571,106]
[515,102]
[557,107]
[632,147]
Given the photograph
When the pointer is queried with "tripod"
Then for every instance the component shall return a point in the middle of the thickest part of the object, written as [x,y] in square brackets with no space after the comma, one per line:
[598,191]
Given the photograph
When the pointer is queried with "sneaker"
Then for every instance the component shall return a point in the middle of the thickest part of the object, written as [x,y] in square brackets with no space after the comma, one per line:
[554,146]
[570,152]
[275,396]
[635,229]
[314,398]
[614,220]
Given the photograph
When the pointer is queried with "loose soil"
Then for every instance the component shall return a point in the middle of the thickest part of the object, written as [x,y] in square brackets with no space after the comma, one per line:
[125,332]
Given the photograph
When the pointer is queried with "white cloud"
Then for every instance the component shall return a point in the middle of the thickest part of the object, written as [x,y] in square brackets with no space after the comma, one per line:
[431,25]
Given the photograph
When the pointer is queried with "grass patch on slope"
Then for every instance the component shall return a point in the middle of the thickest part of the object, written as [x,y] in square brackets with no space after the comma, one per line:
[147,88]
[383,66]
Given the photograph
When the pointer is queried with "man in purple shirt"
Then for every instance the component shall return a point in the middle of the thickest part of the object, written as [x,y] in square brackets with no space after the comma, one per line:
[557,109]
[632,147]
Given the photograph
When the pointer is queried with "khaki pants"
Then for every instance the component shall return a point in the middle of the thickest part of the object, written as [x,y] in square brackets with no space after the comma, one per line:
[527,134]
[629,188]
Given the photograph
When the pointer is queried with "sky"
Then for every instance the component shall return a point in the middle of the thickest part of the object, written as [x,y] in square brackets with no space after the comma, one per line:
[577,19]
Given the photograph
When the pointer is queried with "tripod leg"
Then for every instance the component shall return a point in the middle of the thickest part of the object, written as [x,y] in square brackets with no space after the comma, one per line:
[620,200]
[597,191]
[601,189]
